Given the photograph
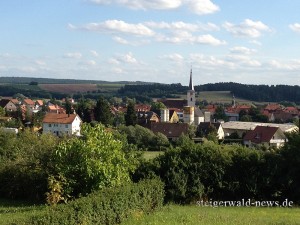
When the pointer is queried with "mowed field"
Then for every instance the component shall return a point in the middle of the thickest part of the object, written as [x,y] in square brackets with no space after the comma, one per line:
[80,88]
[193,215]
[69,88]
[220,97]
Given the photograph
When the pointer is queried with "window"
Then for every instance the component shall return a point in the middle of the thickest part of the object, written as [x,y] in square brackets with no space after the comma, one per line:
[67,126]
[50,125]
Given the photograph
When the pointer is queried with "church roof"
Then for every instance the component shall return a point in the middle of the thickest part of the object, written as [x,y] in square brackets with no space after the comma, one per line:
[191,85]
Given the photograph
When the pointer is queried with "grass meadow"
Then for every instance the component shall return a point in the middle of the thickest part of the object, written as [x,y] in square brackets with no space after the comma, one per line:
[192,215]
[11,211]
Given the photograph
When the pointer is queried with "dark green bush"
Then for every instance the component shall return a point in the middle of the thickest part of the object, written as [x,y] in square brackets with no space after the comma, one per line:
[108,206]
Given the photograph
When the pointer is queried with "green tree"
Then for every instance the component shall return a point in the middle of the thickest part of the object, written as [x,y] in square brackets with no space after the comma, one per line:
[68,106]
[84,109]
[92,162]
[2,111]
[102,112]
[157,106]
[220,113]
[130,116]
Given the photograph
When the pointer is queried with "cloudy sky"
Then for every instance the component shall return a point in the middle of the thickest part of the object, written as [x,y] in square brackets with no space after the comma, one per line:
[248,41]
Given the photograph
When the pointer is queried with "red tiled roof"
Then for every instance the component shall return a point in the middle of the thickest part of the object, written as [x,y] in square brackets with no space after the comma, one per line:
[170,129]
[142,107]
[261,134]
[272,107]
[174,103]
[40,102]
[28,101]
[59,118]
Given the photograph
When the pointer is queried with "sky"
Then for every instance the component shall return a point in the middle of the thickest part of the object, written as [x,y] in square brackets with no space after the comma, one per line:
[248,41]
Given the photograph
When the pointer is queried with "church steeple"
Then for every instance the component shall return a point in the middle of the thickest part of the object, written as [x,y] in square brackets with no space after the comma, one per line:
[191,95]
[191,85]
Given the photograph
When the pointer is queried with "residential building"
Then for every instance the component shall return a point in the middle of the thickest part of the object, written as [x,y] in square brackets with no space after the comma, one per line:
[241,128]
[8,105]
[205,127]
[62,124]
[266,136]
[171,130]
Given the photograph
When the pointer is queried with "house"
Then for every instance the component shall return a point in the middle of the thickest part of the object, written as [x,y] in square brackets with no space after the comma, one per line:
[241,128]
[142,107]
[168,115]
[62,124]
[147,117]
[171,130]
[266,136]
[56,109]
[205,127]
[8,105]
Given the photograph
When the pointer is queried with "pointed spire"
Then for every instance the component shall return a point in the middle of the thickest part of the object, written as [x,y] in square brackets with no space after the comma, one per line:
[191,85]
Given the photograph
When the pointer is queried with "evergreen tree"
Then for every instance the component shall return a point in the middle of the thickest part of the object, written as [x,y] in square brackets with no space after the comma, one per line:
[130,116]
[68,107]
[102,112]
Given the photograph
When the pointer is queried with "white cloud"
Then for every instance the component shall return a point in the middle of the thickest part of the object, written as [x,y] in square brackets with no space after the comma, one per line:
[202,7]
[295,27]
[208,39]
[173,57]
[94,53]
[123,58]
[117,26]
[242,50]
[248,28]
[255,42]
[180,25]
[40,63]
[73,55]
[120,40]
[199,7]
[91,62]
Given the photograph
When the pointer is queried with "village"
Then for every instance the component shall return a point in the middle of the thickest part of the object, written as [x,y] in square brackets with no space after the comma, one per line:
[170,117]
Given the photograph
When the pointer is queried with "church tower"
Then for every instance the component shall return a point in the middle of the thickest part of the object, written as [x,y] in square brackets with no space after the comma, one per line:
[191,94]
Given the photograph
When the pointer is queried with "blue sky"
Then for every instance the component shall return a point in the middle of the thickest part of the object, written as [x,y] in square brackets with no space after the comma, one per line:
[249,41]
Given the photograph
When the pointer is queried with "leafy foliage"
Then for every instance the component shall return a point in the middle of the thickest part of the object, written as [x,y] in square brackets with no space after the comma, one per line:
[92,162]
[108,206]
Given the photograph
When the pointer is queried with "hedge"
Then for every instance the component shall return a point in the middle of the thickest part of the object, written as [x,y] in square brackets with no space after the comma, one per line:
[108,206]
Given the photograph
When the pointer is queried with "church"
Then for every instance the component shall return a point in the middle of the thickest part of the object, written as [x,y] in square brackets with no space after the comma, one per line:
[187,110]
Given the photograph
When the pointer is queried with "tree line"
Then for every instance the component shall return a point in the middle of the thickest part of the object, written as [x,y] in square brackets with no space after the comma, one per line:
[267,93]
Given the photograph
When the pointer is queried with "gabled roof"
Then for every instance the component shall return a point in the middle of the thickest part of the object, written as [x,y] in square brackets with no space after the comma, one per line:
[59,118]
[39,102]
[28,101]
[174,103]
[4,102]
[170,129]
[261,134]
[273,107]
[198,112]
[205,127]
[142,107]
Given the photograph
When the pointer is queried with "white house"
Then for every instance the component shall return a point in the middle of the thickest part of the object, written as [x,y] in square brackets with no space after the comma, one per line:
[62,124]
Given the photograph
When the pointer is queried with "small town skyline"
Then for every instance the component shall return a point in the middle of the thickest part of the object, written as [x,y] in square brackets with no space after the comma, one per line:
[251,42]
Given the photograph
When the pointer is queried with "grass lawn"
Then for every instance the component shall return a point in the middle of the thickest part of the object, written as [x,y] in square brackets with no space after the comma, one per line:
[191,215]
[10,210]
[151,154]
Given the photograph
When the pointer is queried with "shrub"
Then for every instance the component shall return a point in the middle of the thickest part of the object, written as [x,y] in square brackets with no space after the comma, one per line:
[108,206]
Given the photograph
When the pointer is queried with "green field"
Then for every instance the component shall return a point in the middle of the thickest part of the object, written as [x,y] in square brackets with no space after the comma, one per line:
[193,215]
[220,97]
[15,210]
[175,214]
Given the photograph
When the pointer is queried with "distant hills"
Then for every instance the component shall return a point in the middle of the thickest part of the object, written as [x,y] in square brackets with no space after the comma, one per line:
[141,91]
[27,80]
